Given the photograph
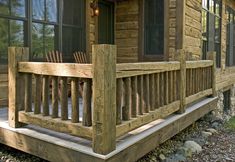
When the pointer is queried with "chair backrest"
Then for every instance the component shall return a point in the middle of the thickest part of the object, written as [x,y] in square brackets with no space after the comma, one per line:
[54,56]
[81,58]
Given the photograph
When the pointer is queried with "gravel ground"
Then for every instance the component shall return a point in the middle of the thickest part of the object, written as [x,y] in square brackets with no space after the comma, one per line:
[219,147]
[8,154]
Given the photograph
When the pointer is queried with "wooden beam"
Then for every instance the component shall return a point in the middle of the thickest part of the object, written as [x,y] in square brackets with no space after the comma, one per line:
[212,56]
[149,66]
[180,23]
[104,98]
[87,93]
[45,146]
[161,112]
[56,124]
[15,79]
[198,96]
[57,69]
[182,81]
[198,64]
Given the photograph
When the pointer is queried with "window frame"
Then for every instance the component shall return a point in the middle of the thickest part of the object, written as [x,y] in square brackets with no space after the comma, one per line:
[230,21]
[160,57]
[211,13]
[9,17]
[28,20]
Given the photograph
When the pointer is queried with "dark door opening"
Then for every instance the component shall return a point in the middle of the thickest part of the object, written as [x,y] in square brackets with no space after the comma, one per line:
[106,23]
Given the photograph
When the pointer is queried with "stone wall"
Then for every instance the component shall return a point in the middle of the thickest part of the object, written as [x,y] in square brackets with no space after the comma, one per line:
[232,101]
[220,112]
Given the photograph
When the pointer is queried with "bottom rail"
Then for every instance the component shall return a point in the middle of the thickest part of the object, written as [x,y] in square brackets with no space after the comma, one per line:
[134,123]
[75,129]
[198,96]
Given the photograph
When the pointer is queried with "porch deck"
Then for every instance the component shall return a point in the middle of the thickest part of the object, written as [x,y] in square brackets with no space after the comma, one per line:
[123,106]
[55,146]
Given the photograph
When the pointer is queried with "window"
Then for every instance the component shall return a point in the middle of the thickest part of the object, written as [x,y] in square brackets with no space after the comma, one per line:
[230,48]
[43,25]
[211,28]
[12,26]
[153,28]
[73,27]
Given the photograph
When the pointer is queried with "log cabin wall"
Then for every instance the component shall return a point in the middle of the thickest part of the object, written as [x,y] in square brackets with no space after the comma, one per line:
[127,30]
[193,33]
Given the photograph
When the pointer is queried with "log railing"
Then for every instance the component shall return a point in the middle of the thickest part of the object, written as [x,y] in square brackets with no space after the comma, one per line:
[116,98]
[45,88]
[146,92]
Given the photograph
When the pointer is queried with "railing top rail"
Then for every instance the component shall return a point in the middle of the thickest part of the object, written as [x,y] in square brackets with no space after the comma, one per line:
[56,69]
[174,65]
[135,69]
[199,64]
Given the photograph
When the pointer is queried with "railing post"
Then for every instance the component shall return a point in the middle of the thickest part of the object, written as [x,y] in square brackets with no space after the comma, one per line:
[16,100]
[104,98]
[182,60]
[211,55]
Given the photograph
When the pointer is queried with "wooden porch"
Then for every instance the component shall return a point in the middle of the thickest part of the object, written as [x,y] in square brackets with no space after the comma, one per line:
[122,106]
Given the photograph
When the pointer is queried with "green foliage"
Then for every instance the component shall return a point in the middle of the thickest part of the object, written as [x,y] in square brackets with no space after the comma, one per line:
[231,124]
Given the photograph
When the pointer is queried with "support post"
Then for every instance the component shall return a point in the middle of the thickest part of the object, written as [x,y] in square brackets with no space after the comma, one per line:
[182,81]
[16,99]
[104,98]
[211,55]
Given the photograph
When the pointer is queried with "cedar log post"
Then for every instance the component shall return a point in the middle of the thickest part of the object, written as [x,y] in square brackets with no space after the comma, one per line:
[104,98]
[182,91]
[211,55]
[16,99]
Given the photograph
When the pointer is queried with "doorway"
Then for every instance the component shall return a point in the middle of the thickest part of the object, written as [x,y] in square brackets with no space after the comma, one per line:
[106,22]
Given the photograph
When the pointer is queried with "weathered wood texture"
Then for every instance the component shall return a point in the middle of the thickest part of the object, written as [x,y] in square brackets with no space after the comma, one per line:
[104,98]
[3,88]
[182,81]
[167,130]
[57,69]
[57,124]
[15,80]
[192,28]
[51,93]
[212,56]
[146,92]
[127,30]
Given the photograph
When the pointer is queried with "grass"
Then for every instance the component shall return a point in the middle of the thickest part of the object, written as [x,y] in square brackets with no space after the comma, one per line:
[231,124]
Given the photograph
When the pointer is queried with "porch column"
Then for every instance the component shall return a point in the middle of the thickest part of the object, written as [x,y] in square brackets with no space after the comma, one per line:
[180,23]
[104,98]
[15,96]
[211,55]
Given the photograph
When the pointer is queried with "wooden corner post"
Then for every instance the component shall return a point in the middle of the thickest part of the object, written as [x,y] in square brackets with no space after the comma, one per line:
[16,100]
[211,55]
[182,87]
[104,98]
